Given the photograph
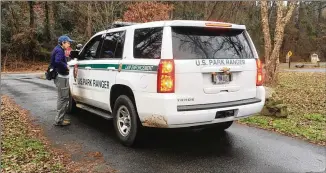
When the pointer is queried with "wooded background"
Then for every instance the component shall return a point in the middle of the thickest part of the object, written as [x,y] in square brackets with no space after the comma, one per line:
[29,30]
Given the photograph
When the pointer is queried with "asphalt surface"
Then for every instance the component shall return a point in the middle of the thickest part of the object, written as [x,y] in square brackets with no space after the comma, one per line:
[239,149]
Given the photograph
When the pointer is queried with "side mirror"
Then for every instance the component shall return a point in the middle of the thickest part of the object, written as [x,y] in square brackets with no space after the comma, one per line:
[74,54]
[79,46]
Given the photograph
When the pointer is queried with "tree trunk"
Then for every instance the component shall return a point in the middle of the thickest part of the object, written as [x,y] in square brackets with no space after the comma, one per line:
[5,62]
[319,19]
[32,28]
[265,26]
[89,20]
[47,31]
[106,14]
[14,20]
[272,54]
[51,19]
[31,14]
[206,9]
[297,16]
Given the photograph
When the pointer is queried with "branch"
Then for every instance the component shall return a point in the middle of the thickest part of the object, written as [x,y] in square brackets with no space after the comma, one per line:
[279,31]
[279,12]
[279,17]
[289,13]
[212,11]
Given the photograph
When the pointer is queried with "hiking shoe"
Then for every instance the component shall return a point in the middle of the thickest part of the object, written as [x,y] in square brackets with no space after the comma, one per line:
[64,123]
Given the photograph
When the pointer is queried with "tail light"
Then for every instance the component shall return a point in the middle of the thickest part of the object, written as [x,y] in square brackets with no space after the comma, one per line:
[166,77]
[260,76]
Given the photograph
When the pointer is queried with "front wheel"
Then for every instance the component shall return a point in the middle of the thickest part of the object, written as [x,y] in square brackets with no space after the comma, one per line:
[125,120]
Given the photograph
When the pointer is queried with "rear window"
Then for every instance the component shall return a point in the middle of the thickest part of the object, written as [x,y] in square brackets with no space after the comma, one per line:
[148,43]
[209,43]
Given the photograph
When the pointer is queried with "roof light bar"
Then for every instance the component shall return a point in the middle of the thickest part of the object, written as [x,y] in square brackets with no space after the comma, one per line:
[118,24]
[224,25]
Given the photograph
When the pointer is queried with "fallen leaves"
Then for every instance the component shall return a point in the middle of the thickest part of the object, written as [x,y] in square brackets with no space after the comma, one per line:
[304,92]
[24,66]
[23,147]
[305,96]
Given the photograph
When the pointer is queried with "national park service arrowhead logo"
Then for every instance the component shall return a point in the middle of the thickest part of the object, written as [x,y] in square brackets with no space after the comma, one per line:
[120,68]
[75,72]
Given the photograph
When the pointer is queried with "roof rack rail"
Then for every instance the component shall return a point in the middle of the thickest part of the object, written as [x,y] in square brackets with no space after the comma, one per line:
[118,24]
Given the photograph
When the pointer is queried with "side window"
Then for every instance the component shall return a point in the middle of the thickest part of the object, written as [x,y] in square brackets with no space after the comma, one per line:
[148,43]
[112,46]
[91,49]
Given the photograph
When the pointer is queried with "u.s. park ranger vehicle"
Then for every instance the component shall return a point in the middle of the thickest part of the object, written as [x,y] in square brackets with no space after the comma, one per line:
[168,74]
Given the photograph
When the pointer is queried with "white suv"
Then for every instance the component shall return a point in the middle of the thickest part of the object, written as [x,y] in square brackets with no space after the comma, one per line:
[168,74]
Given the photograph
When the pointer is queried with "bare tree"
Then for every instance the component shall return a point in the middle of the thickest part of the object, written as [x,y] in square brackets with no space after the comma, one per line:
[89,20]
[47,31]
[32,29]
[272,53]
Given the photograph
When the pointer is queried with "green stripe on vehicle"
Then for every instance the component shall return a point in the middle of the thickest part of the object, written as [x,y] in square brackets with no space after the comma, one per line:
[133,67]
[104,66]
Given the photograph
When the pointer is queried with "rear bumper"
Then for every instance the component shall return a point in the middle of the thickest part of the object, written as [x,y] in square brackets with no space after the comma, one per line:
[217,105]
[161,110]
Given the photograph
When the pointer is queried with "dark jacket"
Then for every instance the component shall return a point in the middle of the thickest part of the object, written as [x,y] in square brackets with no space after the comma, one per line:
[59,61]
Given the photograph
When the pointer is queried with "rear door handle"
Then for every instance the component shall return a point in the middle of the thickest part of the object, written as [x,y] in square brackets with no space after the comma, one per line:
[215,90]
[219,69]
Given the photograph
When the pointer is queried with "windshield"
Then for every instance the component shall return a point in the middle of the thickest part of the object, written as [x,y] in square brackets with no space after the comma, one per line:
[209,43]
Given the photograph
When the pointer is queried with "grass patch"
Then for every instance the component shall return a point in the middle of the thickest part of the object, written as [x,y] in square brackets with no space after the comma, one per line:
[315,117]
[22,148]
[304,94]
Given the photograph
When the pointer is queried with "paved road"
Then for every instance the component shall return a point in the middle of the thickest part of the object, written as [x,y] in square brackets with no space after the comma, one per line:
[239,149]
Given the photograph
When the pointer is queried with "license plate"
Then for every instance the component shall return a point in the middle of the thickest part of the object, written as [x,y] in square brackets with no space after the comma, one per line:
[221,78]
[224,114]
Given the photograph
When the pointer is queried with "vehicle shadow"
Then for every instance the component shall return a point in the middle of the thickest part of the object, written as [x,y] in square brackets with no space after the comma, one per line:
[189,141]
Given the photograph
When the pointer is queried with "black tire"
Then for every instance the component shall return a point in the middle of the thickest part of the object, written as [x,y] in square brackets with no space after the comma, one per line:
[71,105]
[220,127]
[130,138]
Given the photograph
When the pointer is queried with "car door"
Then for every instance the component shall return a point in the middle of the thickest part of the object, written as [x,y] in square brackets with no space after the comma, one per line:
[105,68]
[82,81]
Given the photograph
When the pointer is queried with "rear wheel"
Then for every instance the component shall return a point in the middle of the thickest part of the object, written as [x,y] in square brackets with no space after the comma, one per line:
[125,120]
